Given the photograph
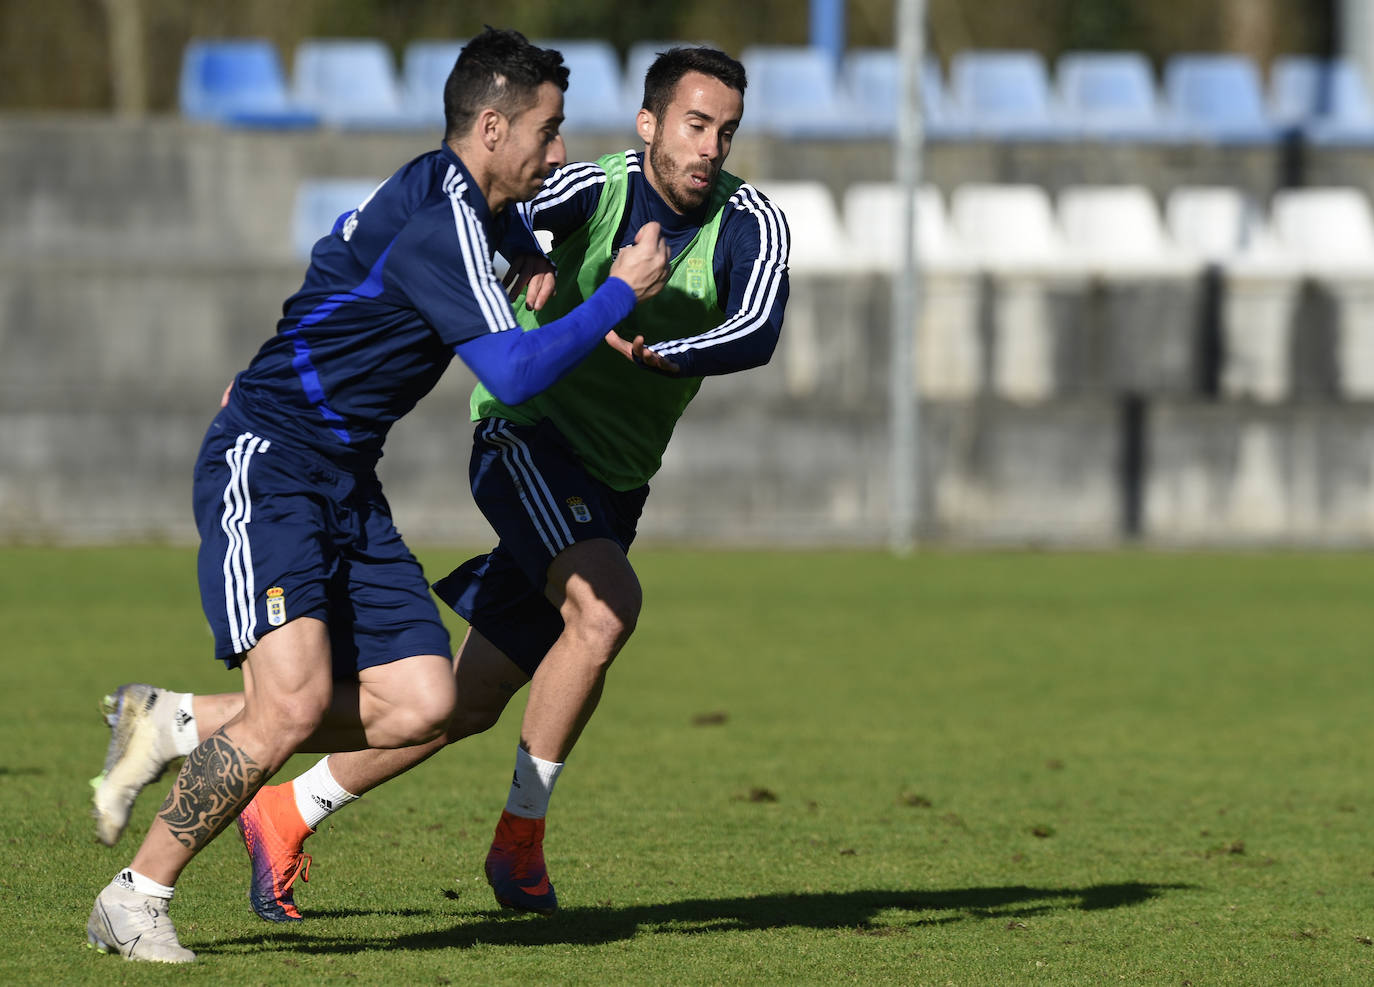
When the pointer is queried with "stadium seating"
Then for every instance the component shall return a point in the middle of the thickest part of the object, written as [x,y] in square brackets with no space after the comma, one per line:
[1005,94]
[795,91]
[240,82]
[319,203]
[1325,230]
[1008,226]
[819,240]
[595,100]
[873,78]
[350,82]
[1111,95]
[1215,223]
[1326,99]
[425,67]
[1117,228]
[1218,98]
[872,218]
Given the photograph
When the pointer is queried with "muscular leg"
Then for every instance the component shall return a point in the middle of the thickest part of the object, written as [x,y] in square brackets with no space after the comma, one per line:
[485,680]
[598,594]
[286,690]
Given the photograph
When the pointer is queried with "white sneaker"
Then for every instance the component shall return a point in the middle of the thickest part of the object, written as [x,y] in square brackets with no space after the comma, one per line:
[141,746]
[136,926]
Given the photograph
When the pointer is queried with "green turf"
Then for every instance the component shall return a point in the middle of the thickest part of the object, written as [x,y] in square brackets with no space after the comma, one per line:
[809,767]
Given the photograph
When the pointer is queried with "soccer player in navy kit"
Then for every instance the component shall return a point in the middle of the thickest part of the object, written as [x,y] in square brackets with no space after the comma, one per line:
[563,477]
[304,577]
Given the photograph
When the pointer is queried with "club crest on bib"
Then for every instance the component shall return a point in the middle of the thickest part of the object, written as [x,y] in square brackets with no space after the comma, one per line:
[276,606]
[696,277]
[579,509]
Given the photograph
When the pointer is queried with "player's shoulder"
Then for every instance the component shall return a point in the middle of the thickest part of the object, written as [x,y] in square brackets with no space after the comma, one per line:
[751,213]
[571,179]
[750,199]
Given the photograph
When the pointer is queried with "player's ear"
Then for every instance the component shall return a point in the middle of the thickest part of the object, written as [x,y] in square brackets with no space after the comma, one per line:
[491,127]
[646,125]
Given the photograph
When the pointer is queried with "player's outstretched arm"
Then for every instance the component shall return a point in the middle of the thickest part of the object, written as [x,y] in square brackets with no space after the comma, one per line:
[515,366]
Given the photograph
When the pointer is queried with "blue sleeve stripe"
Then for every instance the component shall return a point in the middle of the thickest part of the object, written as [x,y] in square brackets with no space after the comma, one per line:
[472,241]
[302,360]
[765,279]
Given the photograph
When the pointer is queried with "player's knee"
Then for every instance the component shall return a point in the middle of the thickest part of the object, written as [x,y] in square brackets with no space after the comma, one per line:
[425,718]
[605,620]
[292,716]
[468,722]
[605,624]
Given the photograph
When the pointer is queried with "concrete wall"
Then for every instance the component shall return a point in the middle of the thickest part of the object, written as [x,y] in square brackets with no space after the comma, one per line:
[141,265]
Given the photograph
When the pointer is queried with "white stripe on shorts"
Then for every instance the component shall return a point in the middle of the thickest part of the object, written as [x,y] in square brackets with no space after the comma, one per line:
[239,591]
[539,501]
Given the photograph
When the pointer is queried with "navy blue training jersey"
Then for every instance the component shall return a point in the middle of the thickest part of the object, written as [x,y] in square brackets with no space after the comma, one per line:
[390,292]
[750,262]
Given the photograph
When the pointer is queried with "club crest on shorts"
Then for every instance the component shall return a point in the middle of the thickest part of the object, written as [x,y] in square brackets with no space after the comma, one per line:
[579,509]
[276,606]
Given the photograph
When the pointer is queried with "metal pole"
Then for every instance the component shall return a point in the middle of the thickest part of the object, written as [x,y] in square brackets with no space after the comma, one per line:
[905,411]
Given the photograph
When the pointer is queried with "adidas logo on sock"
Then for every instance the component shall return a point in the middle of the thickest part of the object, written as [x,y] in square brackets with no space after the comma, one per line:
[323,803]
[183,718]
[125,880]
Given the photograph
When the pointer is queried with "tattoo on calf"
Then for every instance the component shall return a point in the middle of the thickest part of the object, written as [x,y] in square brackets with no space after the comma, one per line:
[217,780]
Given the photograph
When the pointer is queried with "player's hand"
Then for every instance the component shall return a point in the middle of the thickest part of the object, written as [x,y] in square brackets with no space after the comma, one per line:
[534,270]
[224,398]
[637,352]
[643,265]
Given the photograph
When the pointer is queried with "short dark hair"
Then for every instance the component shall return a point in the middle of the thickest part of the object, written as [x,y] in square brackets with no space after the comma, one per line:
[498,69]
[670,66]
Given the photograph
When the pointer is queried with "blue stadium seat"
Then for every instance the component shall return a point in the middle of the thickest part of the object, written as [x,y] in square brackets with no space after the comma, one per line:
[1006,94]
[595,100]
[319,203]
[238,81]
[350,82]
[425,67]
[1218,97]
[1111,95]
[795,91]
[1326,99]
[873,78]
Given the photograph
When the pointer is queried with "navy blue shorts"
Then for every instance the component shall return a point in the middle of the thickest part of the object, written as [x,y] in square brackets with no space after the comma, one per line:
[536,494]
[285,533]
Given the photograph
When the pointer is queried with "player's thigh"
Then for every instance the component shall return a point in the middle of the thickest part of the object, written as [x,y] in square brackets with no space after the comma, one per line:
[486,680]
[287,678]
[399,646]
[595,577]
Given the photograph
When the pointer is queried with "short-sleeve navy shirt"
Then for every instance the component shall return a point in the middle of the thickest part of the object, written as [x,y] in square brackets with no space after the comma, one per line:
[391,291]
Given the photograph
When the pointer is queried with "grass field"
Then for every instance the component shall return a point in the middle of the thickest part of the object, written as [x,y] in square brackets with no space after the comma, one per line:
[809,767]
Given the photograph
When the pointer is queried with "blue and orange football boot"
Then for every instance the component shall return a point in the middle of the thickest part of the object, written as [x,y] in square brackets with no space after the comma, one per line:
[515,866]
[273,833]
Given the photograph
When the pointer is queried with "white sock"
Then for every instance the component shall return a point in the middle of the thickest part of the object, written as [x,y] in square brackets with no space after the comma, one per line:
[532,785]
[318,794]
[131,880]
[185,733]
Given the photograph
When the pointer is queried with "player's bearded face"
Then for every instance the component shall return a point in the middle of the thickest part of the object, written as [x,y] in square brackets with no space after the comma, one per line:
[688,146]
[684,181]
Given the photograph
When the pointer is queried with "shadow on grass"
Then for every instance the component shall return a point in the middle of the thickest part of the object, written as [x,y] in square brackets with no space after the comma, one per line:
[862,911]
